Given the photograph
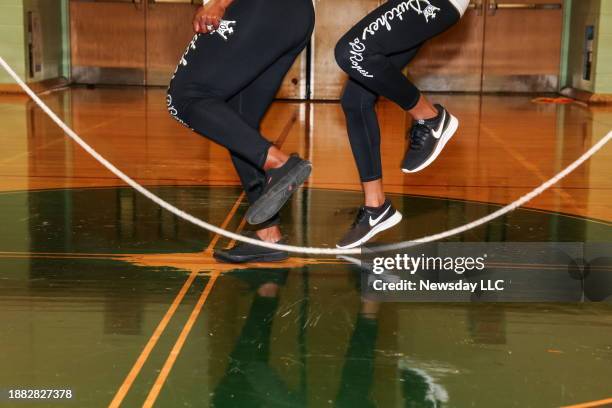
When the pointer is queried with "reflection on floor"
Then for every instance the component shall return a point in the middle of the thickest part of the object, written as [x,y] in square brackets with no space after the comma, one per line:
[84,286]
[506,146]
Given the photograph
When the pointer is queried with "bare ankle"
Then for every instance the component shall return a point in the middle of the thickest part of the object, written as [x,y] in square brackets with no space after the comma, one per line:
[270,234]
[275,158]
[374,201]
[423,110]
[374,193]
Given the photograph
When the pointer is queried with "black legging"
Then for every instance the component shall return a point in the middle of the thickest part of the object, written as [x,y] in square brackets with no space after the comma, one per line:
[373,53]
[224,84]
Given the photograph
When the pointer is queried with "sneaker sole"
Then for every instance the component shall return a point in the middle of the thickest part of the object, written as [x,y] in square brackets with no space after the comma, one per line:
[251,258]
[446,136]
[270,203]
[385,225]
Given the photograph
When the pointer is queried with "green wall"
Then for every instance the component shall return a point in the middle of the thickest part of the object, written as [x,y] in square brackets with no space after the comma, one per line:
[12,46]
[48,38]
[51,39]
[583,13]
[603,81]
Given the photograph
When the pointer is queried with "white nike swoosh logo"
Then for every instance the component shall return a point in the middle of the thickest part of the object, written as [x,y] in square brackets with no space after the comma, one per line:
[438,133]
[375,221]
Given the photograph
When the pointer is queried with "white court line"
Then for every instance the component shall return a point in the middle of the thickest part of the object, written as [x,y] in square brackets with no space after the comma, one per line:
[290,248]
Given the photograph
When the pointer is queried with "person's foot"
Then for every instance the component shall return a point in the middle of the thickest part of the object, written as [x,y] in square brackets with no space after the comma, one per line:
[282,183]
[427,139]
[369,222]
[243,253]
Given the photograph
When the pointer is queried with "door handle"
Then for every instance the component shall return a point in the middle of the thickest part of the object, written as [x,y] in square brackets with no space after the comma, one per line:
[494,6]
[477,5]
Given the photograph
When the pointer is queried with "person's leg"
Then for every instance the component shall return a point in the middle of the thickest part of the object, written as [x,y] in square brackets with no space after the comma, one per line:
[358,371]
[358,104]
[365,54]
[214,69]
[365,51]
[252,104]
[377,214]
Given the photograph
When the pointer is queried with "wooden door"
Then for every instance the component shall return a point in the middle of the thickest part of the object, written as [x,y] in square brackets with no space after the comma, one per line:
[334,18]
[169,30]
[522,47]
[108,41]
[139,42]
[453,60]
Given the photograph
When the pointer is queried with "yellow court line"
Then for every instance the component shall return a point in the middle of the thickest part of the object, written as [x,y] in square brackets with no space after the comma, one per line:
[601,403]
[125,387]
[178,346]
[238,231]
[50,143]
[176,350]
[161,327]
[526,163]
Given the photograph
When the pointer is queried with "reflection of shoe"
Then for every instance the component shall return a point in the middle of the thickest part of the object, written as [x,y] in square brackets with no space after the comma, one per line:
[427,139]
[420,388]
[257,277]
[243,252]
[369,222]
[598,281]
[282,183]
[364,273]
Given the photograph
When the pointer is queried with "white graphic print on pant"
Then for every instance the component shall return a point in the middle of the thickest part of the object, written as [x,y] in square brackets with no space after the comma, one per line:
[226,28]
[358,47]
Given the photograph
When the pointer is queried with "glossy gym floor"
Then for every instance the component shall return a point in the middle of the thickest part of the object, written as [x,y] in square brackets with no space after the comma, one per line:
[103,293]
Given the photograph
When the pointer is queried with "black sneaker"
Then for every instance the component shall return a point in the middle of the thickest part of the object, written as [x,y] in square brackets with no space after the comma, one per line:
[369,222]
[282,183]
[427,139]
[243,252]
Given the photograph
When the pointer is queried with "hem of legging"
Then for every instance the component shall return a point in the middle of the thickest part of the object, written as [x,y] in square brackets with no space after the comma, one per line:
[264,155]
[414,103]
[273,222]
[368,179]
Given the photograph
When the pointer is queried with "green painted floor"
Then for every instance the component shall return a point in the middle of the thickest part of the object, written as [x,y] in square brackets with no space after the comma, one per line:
[76,314]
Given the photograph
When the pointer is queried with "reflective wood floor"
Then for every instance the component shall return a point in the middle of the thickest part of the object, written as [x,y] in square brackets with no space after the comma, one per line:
[506,146]
[103,293]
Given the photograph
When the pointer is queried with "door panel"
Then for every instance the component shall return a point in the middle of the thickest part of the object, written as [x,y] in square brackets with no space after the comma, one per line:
[139,42]
[505,45]
[522,47]
[334,18]
[169,30]
[108,42]
[453,60]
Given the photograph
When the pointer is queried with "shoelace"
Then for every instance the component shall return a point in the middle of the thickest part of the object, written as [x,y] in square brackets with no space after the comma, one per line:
[419,133]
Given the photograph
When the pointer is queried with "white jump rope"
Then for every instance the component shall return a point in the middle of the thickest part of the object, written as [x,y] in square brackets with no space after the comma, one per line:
[290,248]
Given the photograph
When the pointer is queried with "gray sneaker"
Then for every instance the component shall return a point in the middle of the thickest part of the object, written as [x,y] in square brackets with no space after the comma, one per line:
[282,183]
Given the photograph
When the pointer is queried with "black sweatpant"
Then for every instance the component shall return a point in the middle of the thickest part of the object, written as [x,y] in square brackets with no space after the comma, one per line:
[226,81]
[373,54]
